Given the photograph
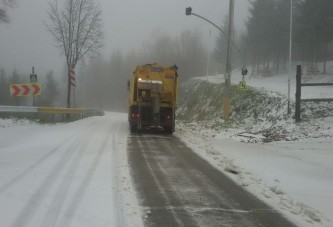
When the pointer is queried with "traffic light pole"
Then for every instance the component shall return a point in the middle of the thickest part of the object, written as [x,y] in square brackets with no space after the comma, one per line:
[226,105]
[220,29]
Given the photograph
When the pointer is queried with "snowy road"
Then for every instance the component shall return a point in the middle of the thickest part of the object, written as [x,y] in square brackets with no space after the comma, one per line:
[78,174]
[177,188]
[66,175]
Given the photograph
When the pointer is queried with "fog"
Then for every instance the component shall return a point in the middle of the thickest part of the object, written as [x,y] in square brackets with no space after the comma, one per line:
[148,31]
[25,42]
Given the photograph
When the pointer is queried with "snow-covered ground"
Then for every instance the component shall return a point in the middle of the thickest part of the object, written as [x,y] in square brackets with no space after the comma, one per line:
[296,177]
[279,83]
[73,174]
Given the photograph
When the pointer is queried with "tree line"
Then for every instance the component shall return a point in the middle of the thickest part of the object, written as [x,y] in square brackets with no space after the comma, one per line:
[5,5]
[76,27]
[268,31]
[265,46]
[103,82]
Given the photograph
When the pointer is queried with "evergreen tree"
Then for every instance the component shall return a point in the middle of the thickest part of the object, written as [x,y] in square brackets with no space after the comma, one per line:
[15,79]
[4,88]
[280,34]
[191,55]
[50,91]
[4,6]
[220,51]
[314,30]
[267,37]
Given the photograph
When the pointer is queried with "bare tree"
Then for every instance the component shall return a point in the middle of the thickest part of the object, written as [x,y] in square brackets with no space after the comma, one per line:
[77,30]
[4,5]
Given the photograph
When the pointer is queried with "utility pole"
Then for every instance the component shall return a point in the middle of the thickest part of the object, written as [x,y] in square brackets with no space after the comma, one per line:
[290,46]
[227,76]
[208,52]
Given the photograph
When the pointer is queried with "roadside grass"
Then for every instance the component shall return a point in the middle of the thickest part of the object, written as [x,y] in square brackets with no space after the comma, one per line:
[253,111]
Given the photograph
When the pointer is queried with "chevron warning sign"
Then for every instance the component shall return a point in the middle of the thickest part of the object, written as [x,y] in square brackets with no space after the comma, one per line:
[25,89]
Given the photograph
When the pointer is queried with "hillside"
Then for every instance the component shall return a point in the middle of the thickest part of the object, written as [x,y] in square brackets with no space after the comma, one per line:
[259,112]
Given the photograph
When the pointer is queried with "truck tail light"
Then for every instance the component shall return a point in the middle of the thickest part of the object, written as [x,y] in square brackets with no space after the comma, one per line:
[134,115]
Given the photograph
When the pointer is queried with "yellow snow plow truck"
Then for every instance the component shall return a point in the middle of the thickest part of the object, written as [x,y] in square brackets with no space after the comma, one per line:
[153,97]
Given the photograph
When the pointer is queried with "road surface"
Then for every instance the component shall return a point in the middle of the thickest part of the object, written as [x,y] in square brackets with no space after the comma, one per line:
[177,188]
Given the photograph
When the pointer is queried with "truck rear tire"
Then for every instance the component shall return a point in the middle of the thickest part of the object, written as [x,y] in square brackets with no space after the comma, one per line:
[133,128]
[168,130]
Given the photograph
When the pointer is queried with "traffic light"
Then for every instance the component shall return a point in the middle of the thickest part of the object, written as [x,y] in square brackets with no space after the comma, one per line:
[244,71]
[188,11]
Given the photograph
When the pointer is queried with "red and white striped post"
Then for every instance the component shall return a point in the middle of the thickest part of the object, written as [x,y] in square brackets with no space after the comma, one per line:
[73,83]
[72,77]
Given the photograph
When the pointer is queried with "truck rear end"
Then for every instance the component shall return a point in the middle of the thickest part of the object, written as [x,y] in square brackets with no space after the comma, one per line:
[153,97]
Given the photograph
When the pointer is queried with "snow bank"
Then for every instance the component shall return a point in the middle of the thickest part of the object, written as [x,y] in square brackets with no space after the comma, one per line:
[295,177]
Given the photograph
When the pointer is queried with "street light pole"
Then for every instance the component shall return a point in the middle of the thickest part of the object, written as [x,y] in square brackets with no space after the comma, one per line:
[227,76]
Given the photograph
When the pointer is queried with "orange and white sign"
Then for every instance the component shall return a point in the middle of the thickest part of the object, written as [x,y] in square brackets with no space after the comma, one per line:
[25,89]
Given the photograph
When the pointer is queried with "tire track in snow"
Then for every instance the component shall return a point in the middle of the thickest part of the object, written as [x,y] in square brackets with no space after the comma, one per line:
[36,200]
[128,210]
[82,188]
[34,166]
[114,169]
[53,212]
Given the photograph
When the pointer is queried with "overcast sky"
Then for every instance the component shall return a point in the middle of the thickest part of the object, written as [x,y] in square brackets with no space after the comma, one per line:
[127,24]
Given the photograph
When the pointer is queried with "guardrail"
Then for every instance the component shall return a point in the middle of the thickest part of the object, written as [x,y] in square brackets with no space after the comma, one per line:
[299,86]
[48,114]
